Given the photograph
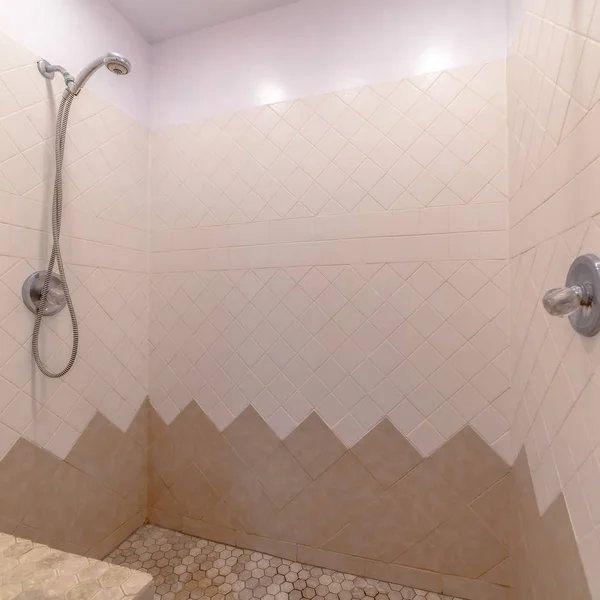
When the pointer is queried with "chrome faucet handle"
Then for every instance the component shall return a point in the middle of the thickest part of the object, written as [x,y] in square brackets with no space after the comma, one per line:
[580,298]
[562,302]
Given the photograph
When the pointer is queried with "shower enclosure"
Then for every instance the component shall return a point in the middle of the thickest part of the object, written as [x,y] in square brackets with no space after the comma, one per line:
[306,353]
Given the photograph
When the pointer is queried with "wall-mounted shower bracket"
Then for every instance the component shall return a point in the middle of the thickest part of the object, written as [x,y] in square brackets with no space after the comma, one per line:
[48,70]
[32,293]
[44,68]
[580,299]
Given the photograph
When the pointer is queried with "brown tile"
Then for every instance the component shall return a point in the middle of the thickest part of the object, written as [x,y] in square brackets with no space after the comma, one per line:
[349,485]
[381,532]
[493,507]
[165,519]
[222,515]
[251,437]
[563,551]
[56,505]
[169,457]
[209,531]
[424,580]
[424,488]
[156,426]
[23,472]
[194,494]
[222,467]
[98,514]
[6,525]
[331,560]
[544,552]
[314,445]
[281,475]
[501,574]
[94,450]
[159,495]
[189,438]
[463,546]
[125,467]
[325,506]
[386,453]
[468,465]
[251,505]
[473,590]
[138,430]
[117,537]
[267,545]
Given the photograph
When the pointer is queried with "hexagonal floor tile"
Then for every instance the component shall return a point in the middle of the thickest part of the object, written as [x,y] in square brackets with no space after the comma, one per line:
[185,567]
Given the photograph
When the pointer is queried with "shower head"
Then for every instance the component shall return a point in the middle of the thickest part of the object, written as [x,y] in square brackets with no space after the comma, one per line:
[114,62]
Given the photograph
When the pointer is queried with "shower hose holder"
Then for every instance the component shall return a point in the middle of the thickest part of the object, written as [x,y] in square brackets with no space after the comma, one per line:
[32,293]
[580,299]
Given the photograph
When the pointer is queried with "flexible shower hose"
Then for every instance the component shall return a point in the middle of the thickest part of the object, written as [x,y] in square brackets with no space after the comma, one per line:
[55,255]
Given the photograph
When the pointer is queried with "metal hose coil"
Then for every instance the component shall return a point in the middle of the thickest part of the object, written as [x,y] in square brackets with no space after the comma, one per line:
[55,255]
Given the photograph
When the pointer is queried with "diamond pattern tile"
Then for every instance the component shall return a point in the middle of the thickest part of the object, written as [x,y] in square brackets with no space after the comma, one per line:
[337,341]
[186,567]
[110,375]
[350,152]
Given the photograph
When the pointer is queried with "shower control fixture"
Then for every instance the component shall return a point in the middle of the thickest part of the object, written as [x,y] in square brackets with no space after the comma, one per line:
[32,293]
[580,299]
[46,293]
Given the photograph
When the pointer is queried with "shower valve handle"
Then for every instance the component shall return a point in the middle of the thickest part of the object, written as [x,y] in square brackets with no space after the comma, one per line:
[562,302]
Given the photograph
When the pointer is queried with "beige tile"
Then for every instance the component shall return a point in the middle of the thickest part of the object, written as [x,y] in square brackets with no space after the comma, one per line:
[382,532]
[501,574]
[209,531]
[473,590]
[156,426]
[425,580]
[23,473]
[165,519]
[331,560]
[386,454]
[281,475]
[251,437]
[425,488]
[251,505]
[493,507]
[314,445]
[194,493]
[96,447]
[139,428]
[56,506]
[463,546]
[468,465]
[267,545]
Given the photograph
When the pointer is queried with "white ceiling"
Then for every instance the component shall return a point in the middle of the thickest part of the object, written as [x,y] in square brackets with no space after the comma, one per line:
[159,20]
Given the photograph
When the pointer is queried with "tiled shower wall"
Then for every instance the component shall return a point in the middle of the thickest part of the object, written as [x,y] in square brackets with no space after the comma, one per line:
[329,283]
[72,452]
[553,72]
[344,254]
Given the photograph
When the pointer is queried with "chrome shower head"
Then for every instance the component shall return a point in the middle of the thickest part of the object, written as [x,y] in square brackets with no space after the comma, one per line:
[117,64]
[114,62]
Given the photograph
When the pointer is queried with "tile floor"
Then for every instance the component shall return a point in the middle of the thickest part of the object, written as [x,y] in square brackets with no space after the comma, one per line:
[186,567]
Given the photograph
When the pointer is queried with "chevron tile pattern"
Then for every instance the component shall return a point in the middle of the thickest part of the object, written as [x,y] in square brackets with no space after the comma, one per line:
[424,344]
[85,504]
[378,509]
